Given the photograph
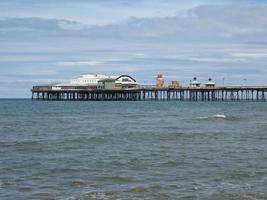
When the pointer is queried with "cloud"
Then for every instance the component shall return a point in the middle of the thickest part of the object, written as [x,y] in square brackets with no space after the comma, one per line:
[94,12]
[219,41]
[250,55]
[79,63]
[204,23]
[238,23]
[217,60]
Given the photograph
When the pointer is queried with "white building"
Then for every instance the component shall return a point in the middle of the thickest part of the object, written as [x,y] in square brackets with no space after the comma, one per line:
[100,81]
[106,84]
[88,79]
[210,83]
[194,83]
[126,81]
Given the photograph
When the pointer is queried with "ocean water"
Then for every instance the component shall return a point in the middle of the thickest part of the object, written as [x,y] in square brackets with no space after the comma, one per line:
[133,150]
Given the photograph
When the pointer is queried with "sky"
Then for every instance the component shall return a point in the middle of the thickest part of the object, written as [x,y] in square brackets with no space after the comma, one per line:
[44,41]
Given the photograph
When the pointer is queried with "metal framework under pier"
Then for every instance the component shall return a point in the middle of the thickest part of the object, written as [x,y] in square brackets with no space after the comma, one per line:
[154,94]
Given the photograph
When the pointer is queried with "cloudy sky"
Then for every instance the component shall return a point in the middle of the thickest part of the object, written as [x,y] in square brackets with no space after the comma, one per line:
[46,41]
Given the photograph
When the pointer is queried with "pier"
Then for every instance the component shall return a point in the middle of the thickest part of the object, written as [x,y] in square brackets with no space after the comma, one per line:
[83,93]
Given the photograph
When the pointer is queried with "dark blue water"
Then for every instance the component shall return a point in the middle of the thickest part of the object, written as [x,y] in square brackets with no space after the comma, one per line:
[133,150]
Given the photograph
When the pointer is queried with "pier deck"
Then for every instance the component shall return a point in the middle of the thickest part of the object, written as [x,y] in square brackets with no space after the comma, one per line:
[237,93]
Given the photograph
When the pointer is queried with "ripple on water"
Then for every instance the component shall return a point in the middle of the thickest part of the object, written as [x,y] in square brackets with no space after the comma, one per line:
[174,163]
[77,183]
[95,195]
[44,195]
[244,175]
[149,191]
[27,145]
[117,179]
[64,170]
[236,196]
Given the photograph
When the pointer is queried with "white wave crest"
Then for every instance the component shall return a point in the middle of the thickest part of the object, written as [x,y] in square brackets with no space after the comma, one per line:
[220,116]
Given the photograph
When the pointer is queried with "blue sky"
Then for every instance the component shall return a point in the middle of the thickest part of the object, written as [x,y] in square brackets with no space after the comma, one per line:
[46,41]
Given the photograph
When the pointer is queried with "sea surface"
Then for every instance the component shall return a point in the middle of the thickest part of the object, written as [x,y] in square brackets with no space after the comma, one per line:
[133,150]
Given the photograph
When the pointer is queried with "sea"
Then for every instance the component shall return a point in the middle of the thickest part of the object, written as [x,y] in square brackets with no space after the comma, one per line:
[133,150]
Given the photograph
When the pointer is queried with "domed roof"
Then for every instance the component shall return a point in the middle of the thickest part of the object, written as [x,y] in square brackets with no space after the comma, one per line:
[194,80]
[210,82]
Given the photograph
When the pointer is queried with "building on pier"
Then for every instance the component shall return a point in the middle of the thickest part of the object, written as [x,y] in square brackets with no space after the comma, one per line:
[122,81]
[210,83]
[88,79]
[125,82]
[160,81]
[97,81]
[106,84]
[174,85]
[194,83]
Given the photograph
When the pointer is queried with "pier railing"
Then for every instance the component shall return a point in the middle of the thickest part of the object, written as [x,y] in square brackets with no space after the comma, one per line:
[233,93]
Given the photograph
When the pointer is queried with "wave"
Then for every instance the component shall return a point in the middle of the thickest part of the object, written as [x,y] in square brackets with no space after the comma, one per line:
[220,116]
[217,116]
[105,195]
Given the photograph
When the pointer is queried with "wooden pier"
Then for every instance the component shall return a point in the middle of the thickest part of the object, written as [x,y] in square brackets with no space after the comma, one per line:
[238,93]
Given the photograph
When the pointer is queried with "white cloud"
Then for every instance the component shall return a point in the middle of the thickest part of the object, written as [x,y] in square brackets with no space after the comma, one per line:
[79,63]
[217,41]
[250,55]
[201,24]
[94,12]
[70,25]
[218,60]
